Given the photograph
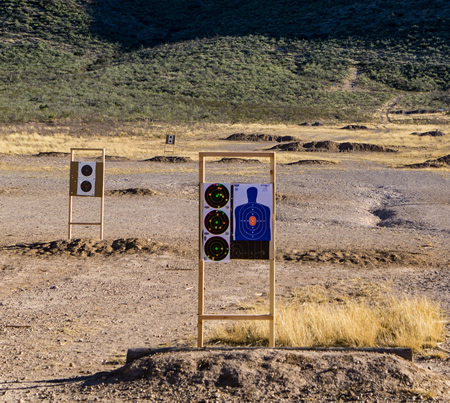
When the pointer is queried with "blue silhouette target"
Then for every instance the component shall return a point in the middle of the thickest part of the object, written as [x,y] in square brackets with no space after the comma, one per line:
[252,208]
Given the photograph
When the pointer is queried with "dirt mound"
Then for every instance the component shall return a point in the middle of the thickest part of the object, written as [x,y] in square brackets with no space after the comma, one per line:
[115,158]
[390,219]
[237,160]
[62,154]
[357,257]
[332,146]
[294,146]
[432,133]
[311,124]
[311,162]
[321,146]
[282,139]
[437,163]
[87,247]
[345,147]
[310,146]
[354,127]
[171,159]
[132,192]
[244,375]
[52,154]
[252,137]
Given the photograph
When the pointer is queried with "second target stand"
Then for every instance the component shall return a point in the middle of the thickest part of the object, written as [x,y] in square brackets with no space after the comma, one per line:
[237,221]
[86,180]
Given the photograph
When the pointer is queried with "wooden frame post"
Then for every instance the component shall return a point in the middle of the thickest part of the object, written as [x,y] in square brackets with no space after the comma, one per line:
[102,192]
[201,262]
[202,316]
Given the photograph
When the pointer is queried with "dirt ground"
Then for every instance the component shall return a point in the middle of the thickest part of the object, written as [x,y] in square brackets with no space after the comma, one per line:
[70,310]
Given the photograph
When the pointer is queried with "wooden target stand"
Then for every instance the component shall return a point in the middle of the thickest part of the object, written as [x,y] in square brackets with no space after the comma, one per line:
[89,185]
[169,146]
[202,316]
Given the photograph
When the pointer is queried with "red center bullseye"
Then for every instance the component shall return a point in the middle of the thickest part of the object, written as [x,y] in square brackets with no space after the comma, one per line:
[252,221]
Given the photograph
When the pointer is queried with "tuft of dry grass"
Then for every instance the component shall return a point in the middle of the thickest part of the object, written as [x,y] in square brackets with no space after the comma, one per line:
[416,323]
[407,322]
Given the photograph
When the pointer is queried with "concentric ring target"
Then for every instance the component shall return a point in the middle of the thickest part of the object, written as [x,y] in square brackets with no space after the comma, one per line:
[216,222]
[253,223]
[86,170]
[216,248]
[86,186]
[217,195]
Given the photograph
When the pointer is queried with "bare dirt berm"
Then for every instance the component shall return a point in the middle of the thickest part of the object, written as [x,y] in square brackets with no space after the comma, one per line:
[70,310]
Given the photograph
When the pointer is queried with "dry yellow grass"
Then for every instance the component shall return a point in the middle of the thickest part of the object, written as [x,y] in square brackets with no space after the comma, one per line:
[407,322]
[145,140]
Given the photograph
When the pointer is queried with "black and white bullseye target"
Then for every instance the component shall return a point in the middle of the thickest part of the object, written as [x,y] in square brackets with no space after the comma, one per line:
[216,231]
[170,139]
[86,178]
[252,212]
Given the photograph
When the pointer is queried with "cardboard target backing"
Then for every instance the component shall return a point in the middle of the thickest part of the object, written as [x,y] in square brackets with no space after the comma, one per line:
[86,178]
[251,250]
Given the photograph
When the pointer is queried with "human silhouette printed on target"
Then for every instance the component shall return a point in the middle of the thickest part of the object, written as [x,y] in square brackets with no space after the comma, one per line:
[252,219]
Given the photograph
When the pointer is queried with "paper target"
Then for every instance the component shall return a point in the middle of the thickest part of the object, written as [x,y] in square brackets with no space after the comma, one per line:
[170,139]
[217,195]
[86,186]
[216,249]
[86,179]
[217,222]
[86,169]
[252,212]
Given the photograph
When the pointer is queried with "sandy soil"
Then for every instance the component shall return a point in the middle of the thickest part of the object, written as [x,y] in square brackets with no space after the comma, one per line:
[71,310]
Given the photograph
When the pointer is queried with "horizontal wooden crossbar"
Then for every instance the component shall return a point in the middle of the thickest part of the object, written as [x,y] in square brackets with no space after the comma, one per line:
[85,223]
[235,154]
[87,149]
[213,316]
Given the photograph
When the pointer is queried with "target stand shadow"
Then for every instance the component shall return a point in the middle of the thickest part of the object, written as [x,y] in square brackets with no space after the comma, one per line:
[86,180]
[236,221]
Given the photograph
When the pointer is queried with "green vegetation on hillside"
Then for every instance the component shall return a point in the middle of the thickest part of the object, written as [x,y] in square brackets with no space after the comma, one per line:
[220,60]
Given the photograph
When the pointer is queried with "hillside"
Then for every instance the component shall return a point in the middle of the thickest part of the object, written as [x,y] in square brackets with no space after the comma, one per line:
[222,61]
